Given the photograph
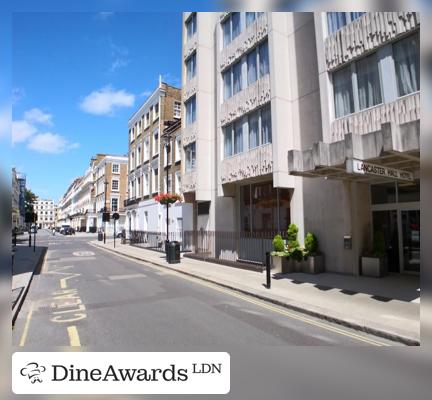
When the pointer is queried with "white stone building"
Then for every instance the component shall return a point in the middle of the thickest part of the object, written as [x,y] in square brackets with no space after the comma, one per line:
[46,212]
[260,90]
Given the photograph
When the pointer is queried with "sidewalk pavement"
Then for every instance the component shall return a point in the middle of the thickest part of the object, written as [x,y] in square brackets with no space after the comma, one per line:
[26,263]
[388,307]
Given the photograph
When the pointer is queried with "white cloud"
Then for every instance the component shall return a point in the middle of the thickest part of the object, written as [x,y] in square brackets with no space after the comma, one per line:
[51,143]
[37,116]
[22,130]
[106,101]
[5,121]
[119,63]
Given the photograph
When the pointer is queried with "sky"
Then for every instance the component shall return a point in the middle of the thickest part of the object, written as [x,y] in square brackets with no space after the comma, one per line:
[76,80]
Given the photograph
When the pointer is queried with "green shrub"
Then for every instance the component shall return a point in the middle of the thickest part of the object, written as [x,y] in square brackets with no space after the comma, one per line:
[292,237]
[296,254]
[278,244]
[311,244]
[378,248]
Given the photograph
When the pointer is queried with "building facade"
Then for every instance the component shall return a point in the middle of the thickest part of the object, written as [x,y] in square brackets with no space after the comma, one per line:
[104,184]
[270,98]
[154,164]
[21,178]
[46,213]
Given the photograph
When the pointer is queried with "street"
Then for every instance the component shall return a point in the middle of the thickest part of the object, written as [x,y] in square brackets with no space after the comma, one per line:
[88,297]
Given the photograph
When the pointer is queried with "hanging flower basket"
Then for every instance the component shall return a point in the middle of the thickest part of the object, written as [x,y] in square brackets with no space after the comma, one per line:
[168,198]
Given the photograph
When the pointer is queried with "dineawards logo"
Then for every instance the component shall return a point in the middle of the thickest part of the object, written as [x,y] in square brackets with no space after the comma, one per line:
[121,373]
[33,371]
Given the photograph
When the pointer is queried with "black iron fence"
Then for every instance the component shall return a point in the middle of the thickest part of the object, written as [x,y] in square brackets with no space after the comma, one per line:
[248,247]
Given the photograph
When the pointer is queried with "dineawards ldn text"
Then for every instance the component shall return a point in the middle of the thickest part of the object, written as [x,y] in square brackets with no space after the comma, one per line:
[112,374]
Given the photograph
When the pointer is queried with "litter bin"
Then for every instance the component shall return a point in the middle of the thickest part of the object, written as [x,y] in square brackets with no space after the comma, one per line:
[173,252]
[100,236]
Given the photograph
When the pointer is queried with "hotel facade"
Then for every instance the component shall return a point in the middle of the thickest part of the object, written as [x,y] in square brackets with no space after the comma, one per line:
[305,118]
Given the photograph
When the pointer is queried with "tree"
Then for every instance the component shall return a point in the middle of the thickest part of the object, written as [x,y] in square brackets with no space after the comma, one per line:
[29,200]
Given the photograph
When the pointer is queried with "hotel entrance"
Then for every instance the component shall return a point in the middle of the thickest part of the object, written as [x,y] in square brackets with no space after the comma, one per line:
[396,213]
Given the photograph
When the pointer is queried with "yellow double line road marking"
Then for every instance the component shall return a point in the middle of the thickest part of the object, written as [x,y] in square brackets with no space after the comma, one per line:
[259,303]
[73,336]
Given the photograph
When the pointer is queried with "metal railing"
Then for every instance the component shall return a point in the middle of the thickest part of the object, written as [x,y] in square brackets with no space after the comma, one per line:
[247,247]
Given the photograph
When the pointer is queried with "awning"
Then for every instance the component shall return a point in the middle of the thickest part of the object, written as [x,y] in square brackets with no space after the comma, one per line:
[393,153]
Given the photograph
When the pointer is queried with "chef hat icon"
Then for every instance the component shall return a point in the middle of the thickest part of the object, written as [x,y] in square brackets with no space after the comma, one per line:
[32,371]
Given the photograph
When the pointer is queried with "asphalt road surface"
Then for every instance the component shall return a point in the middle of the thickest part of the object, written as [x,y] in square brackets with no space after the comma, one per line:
[90,298]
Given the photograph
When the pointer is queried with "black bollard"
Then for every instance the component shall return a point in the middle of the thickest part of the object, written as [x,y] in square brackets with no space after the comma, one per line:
[268,270]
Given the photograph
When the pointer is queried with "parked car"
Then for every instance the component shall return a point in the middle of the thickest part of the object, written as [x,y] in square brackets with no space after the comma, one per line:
[63,228]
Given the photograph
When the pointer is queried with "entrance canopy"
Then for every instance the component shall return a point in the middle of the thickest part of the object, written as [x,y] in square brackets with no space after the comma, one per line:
[393,153]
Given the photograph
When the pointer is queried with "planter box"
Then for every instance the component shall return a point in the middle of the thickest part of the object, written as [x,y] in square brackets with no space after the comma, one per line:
[373,266]
[314,264]
[277,263]
[289,266]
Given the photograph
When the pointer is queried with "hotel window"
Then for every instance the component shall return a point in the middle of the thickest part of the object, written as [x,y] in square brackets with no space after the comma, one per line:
[266,129]
[177,109]
[178,186]
[191,110]
[237,77]
[228,151]
[251,17]
[138,160]
[336,20]
[146,149]
[167,154]
[252,73]
[155,142]
[167,183]
[177,148]
[115,185]
[147,120]
[263,50]
[132,161]
[253,130]
[191,26]
[138,187]
[139,127]
[231,28]
[131,138]
[238,136]
[368,82]
[190,156]
[156,111]
[191,67]
[115,168]
[343,92]
[406,54]
[114,204]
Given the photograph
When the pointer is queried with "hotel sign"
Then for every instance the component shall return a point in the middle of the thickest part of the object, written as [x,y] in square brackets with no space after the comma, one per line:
[364,168]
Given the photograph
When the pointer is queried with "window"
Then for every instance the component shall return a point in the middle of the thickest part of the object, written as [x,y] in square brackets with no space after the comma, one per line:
[178,148]
[114,204]
[167,154]
[155,181]
[155,142]
[138,160]
[138,187]
[146,149]
[147,120]
[250,18]
[231,28]
[253,130]
[336,20]
[178,186]
[252,73]
[368,82]
[115,168]
[191,67]
[228,151]
[406,54]
[131,137]
[264,68]
[115,185]
[343,92]
[132,161]
[226,76]
[168,183]
[237,77]
[156,111]
[266,130]
[139,127]
[191,26]
[146,188]
[191,110]
[190,154]
[238,136]
[177,109]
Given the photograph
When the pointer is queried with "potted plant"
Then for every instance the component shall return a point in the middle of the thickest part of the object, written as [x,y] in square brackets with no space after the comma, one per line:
[375,264]
[278,255]
[168,198]
[295,252]
[314,260]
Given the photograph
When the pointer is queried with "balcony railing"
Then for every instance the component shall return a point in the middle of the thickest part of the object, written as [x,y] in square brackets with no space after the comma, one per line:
[131,201]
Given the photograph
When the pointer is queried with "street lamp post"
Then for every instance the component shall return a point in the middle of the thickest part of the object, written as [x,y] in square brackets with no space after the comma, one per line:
[167,139]
[105,211]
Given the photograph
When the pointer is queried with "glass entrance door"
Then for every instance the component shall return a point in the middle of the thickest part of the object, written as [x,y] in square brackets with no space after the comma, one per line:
[387,223]
[410,221]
